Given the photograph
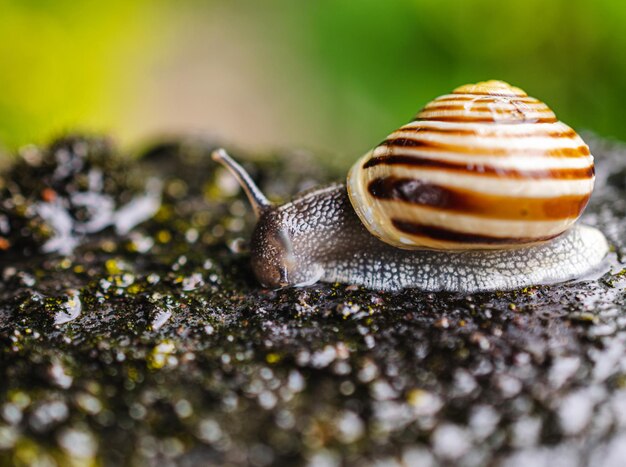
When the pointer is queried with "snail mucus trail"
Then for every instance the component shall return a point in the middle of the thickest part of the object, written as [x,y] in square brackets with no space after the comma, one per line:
[480,192]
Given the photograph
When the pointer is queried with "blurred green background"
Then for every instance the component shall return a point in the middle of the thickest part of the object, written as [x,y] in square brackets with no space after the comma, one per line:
[331,76]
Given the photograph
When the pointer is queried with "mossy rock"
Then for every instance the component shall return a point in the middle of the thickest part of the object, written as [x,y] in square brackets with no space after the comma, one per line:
[153,344]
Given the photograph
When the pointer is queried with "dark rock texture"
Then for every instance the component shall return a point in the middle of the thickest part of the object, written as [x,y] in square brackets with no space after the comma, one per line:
[153,345]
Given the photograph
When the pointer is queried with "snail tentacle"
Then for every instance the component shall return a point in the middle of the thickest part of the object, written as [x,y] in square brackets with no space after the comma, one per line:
[256,197]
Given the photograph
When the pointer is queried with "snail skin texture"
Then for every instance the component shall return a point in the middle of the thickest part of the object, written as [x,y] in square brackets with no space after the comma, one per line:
[480,192]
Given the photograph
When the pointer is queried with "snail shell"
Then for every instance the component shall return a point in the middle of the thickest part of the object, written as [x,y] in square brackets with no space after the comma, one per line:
[486,167]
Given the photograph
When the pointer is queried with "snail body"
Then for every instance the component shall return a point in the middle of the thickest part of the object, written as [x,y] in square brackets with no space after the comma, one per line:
[479,193]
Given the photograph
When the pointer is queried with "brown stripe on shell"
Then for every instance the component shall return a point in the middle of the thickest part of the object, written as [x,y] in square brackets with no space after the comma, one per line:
[579,151]
[515,110]
[494,109]
[430,195]
[484,105]
[480,169]
[570,134]
[500,119]
[446,235]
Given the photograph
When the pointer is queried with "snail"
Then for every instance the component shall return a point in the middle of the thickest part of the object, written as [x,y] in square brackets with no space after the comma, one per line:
[479,192]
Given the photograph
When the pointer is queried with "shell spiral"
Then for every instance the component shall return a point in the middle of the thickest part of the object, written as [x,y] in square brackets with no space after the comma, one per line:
[484,167]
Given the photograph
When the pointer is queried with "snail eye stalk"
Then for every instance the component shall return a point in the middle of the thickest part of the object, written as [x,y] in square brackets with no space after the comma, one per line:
[257,199]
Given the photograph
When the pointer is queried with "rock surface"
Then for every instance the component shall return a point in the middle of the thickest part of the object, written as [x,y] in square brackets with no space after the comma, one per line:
[151,343]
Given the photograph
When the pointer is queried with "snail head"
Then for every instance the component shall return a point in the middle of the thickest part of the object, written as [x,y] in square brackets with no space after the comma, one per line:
[275,257]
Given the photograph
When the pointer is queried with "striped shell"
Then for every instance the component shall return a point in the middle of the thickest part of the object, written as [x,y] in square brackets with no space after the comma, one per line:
[484,167]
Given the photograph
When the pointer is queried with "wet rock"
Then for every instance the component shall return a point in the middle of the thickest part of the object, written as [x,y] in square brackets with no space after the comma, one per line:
[151,342]
[52,199]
